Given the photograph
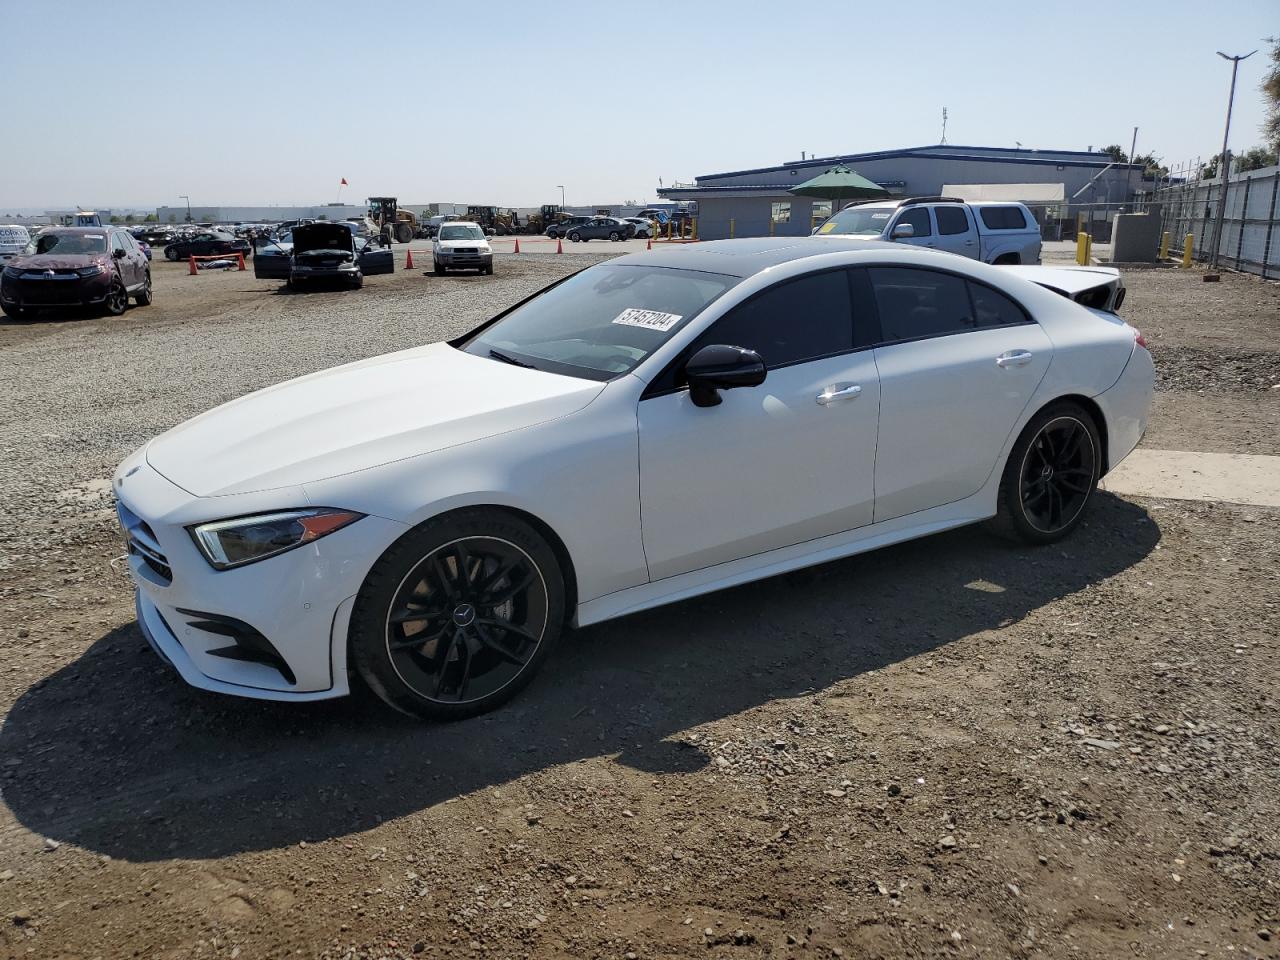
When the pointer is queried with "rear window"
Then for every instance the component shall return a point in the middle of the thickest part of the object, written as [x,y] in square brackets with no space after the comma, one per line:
[1003,218]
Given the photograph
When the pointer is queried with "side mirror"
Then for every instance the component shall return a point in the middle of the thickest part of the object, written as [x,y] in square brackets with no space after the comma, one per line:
[903,231]
[119,254]
[719,367]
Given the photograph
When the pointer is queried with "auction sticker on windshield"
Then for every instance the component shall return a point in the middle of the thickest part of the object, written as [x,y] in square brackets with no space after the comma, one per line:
[649,319]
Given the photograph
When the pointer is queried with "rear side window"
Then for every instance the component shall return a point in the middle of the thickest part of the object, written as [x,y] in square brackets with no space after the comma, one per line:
[1003,218]
[951,220]
[914,304]
[992,308]
[918,217]
[797,320]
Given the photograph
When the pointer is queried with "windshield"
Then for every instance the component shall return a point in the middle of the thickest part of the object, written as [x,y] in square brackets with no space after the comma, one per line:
[859,222]
[71,244]
[448,232]
[602,322]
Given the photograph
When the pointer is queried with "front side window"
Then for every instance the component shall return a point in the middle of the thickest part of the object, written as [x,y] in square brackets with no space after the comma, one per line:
[117,242]
[918,217]
[951,220]
[781,212]
[914,304]
[797,320]
[602,322]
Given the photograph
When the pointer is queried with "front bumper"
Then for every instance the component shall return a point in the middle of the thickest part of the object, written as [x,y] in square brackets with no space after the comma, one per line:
[447,259]
[295,606]
[77,292]
[346,271]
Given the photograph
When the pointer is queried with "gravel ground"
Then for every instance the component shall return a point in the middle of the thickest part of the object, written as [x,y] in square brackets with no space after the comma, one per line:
[948,748]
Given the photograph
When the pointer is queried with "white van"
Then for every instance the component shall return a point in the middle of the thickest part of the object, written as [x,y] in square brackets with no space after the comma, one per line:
[13,240]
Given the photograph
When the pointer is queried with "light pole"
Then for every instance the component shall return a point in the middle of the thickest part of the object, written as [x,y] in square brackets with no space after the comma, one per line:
[1224,168]
[183,196]
[561,186]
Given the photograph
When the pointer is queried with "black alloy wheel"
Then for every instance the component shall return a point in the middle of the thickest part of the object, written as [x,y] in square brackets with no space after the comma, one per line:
[457,616]
[171,252]
[613,236]
[117,298]
[1051,475]
[575,236]
[1057,474]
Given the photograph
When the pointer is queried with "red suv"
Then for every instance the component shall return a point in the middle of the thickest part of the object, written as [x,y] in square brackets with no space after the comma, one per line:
[76,267]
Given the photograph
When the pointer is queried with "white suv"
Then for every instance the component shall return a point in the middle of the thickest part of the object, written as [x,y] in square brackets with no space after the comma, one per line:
[461,245]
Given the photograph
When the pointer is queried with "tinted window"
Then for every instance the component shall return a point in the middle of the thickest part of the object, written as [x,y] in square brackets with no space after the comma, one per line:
[919,303]
[918,217]
[1003,218]
[117,241]
[994,309]
[797,320]
[951,220]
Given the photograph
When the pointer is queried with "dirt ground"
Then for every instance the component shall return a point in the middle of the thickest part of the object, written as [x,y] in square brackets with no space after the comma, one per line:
[949,748]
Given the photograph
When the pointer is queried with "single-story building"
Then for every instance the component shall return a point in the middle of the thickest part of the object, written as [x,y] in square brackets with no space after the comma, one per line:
[1054,183]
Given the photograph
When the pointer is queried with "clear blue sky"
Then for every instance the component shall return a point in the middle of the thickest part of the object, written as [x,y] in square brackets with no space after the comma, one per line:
[133,103]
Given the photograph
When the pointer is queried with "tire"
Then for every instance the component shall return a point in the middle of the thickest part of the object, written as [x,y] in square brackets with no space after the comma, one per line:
[488,269]
[171,253]
[467,654]
[575,236]
[403,232]
[144,296]
[117,301]
[435,264]
[357,283]
[613,236]
[1050,477]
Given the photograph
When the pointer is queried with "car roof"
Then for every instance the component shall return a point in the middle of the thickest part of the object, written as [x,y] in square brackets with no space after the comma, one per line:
[460,223]
[747,257]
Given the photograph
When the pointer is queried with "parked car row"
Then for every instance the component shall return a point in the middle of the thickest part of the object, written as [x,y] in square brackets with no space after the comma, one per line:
[592,228]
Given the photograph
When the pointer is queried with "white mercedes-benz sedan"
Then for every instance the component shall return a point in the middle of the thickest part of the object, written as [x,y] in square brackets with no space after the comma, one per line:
[654,427]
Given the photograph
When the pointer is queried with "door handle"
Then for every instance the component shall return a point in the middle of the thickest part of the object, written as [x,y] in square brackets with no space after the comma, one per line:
[834,393]
[1014,358]
[968,243]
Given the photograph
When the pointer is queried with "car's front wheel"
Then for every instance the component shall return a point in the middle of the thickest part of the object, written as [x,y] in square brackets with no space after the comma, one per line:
[458,615]
[171,253]
[1051,475]
[117,298]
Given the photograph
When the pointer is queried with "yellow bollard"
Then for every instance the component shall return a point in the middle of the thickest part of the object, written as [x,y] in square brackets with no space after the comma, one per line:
[731,229]
[1186,250]
[1082,249]
[772,224]
[1164,245]
[695,229]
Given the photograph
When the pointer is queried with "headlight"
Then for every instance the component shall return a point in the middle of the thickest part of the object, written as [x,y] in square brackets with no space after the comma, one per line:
[233,543]
[90,271]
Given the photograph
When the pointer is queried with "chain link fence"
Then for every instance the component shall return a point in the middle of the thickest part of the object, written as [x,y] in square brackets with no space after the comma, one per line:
[1250,239]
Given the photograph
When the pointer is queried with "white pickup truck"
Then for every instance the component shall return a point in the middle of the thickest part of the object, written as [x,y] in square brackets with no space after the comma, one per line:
[991,232]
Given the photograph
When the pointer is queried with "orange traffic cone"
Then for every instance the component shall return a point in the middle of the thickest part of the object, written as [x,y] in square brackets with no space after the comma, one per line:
[517,249]
[408,259]
[559,245]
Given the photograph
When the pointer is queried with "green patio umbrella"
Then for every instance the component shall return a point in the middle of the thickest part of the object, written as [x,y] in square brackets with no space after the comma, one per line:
[840,183]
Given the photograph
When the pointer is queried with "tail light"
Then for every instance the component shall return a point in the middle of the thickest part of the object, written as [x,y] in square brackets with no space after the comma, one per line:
[1139,339]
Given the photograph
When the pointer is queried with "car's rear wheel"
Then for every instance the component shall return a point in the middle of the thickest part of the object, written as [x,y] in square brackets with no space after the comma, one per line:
[1051,475]
[143,296]
[457,616]
[613,236]
[117,298]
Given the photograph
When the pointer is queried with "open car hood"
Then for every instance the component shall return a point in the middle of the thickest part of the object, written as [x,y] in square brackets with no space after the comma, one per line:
[322,236]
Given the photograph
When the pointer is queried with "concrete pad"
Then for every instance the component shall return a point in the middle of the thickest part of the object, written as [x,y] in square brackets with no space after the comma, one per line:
[1179,475]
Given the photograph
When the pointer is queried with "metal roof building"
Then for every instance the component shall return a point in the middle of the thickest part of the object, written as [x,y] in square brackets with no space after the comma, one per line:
[1046,180]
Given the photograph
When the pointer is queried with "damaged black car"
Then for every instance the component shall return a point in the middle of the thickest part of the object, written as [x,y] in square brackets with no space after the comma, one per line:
[324,252]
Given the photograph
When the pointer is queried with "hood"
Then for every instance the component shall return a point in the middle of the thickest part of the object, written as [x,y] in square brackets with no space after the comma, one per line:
[358,416]
[63,261]
[321,236]
[480,244]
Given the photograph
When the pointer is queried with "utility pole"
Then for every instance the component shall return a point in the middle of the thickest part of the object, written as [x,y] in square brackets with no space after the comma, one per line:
[1128,174]
[944,126]
[1224,168]
[188,199]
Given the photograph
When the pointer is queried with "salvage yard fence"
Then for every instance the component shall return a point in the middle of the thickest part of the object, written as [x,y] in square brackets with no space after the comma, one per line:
[1250,239]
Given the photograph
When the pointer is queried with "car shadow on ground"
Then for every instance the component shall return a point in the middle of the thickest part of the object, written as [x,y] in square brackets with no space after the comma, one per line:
[115,754]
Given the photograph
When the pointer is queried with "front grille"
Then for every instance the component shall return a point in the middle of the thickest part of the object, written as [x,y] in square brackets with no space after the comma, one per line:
[141,541]
[466,249]
[63,288]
